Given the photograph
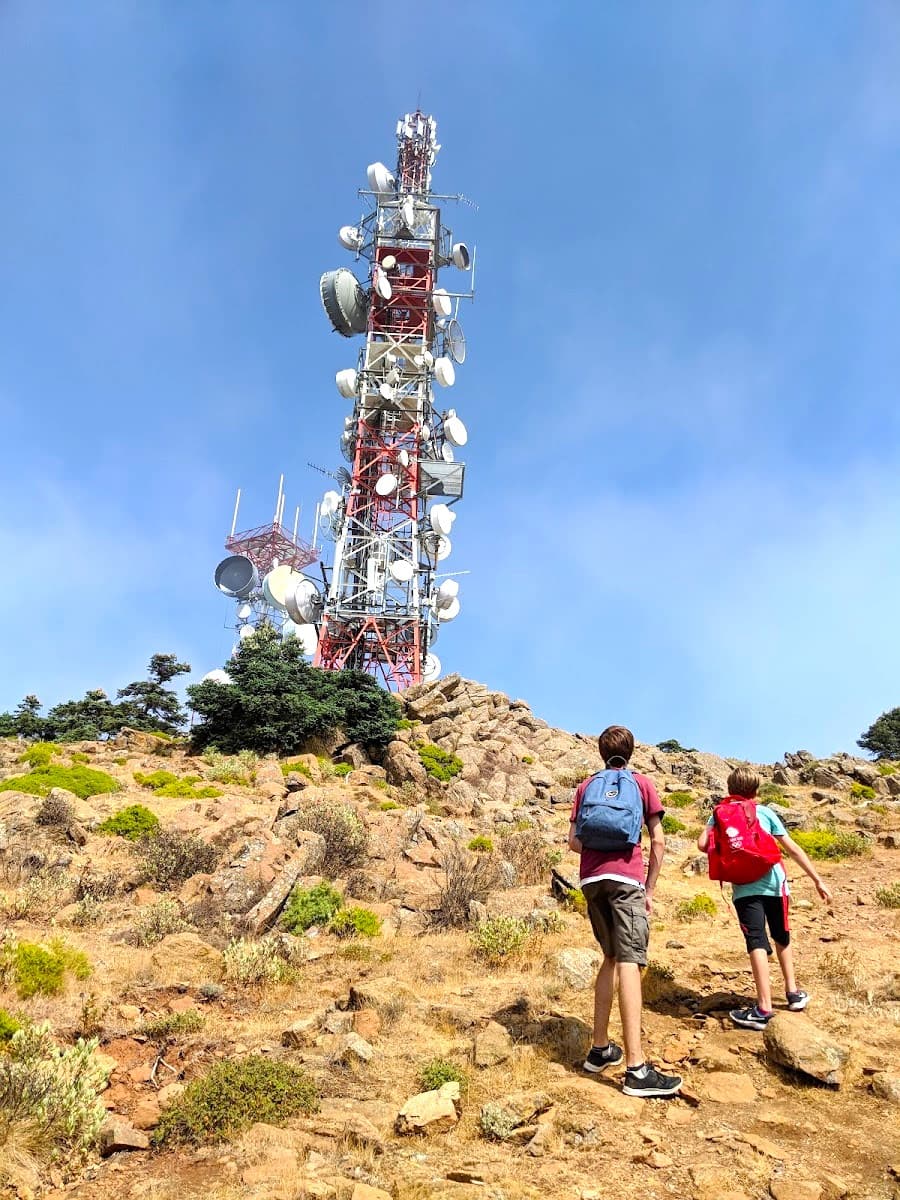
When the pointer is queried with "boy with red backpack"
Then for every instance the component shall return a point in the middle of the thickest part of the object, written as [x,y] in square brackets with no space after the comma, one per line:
[744,841]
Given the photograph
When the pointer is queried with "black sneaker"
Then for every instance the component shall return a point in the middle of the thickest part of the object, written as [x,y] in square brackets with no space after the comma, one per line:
[599,1060]
[751,1018]
[651,1083]
[797,1001]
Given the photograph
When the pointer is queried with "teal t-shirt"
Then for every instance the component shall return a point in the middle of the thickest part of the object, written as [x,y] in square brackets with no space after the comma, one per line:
[774,882]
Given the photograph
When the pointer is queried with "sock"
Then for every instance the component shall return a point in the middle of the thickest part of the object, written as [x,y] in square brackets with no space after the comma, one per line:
[639,1071]
[601,1049]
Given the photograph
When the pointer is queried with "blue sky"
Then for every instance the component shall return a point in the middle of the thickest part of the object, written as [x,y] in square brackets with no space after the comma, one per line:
[682,505]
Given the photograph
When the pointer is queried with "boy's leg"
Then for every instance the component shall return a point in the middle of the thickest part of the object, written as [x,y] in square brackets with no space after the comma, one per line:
[786,962]
[759,965]
[777,915]
[630,1005]
[603,998]
[752,916]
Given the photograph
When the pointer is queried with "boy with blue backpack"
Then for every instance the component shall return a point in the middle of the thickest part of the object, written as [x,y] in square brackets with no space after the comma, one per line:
[608,814]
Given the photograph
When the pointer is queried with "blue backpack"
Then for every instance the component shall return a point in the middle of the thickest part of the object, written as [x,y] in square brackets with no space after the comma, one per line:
[611,812]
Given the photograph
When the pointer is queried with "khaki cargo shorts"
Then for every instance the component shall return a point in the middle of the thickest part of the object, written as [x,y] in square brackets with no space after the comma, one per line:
[619,919]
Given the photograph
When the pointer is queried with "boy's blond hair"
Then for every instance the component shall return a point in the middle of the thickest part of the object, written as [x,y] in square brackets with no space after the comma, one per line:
[743,782]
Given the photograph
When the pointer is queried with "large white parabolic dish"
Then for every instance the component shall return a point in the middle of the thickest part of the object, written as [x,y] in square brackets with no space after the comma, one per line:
[386,485]
[277,584]
[344,301]
[447,592]
[330,503]
[350,237]
[441,518]
[401,570]
[455,431]
[445,372]
[237,576]
[346,382]
[431,667]
[443,305]
[217,676]
[451,611]
[380,179]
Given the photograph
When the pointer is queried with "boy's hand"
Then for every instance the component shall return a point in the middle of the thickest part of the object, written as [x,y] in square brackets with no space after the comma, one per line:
[823,890]
[648,901]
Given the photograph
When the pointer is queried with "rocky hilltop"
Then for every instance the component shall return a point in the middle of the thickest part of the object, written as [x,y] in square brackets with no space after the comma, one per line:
[398,927]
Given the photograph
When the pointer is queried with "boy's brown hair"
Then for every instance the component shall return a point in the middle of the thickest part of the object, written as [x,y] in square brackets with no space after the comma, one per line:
[743,782]
[616,742]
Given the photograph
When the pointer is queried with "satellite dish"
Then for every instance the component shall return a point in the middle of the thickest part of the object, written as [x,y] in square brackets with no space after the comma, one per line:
[401,570]
[450,612]
[455,431]
[245,632]
[461,256]
[443,305]
[344,301]
[236,649]
[447,592]
[308,637]
[244,612]
[389,262]
[330,502]
[277,584]
[348,446]
[303,602]
[236,576]
[431,667]
[386,392]
[444,372]
[447,453]
[386,484]
[382,284]
[350,237]
[437,545]
[441,518]
[380,178]
[403,458]
[455,342]
[217,676]
[346,382]
[344,476]
[408,212]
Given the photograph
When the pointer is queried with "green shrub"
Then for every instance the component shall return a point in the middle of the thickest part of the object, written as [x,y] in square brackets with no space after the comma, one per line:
[498,1124]
[352,922]
[679,799]
[482,844]
[575,900]
[438,763]
[40,970]
[237,769]
[8,1026]
[135,821]
[671,824]
[824,844]
[234,1095]
[164,783]
[886,768]
[699,906]
[311,906]
[171,1025]
[342,770]
[256,964]
[497,939]
[39,754]
[156,921]
[170,857]
[439,1071]
[770,793]
[405,723]
[862,791]
[388,806]
[889,896]
[346,837]
[527,760]
[298,767]
[83,781]
[55,810]
[382,785]
[658,983]
[673,746]
[80,757]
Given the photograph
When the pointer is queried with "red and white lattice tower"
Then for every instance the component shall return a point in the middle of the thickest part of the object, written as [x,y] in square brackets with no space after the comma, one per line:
[392,518]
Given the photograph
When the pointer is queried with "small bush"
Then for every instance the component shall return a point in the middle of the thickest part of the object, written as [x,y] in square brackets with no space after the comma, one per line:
[259,963]
[825,844]
[889,896]
[237,768]
[346,837]
[497,939]
[440,1071]
[311,906]
[298,767]
[886,768]
[170,858]
[405,723]
[700,906]
[83,781]
[156,921]
[165,784]
[438,763]
[234,1095]
[80,757]
[481,844]
[497,1123]
[862,791]
[210,991]
[658,983]
[135,821]
[388,806]
[353,922]
[770,793]
[8,1026]
[55,810]
[673,746]
[38,969]
[171,1026]
[679,799]
[575,900]
[530,854]
[40,896]
[527,760]
[88,911]
[96,886]
[467,879]
[342,770]
[842,968]
[39,754]
[671,824]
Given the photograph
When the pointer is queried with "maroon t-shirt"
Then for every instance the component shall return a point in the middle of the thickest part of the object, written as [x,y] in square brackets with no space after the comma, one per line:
[625,864]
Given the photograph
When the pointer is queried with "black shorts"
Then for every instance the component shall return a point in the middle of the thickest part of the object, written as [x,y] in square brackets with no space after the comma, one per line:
[755,912]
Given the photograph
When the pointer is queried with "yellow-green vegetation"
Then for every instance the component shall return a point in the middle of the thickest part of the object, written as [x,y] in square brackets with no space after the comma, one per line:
[169,857]
[78,756]
[82,781]
[699,907]
[405,723]
[671,824]
[296,766]
[575,900]
[355,922]
[237,768]
[156,921]
[8,1025]
[164,783]
[889,896]
[439,1071]
[830,843]
[342,770]
[438,763]
[135,821]
[381,784]
[886,768]
[39,754]
[311,906]
[234,1095]
[171,1025]
[40,970]
[679,799]
[495,940]
[527,760]
[481,844]
[257,964]
[388,805]
[771,793]
[861,791]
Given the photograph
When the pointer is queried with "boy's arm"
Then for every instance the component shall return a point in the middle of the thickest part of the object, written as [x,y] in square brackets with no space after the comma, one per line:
[657,854]
[574,843]
[703,840]
[800,858]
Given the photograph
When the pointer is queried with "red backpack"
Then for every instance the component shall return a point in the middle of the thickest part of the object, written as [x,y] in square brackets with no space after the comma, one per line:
[740,850]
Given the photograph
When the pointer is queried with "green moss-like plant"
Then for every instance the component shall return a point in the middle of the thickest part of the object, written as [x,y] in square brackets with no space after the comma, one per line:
[671,824]
[342,770]
[824,844]
[39,970]
[234,1095]
[355,922]
[700,906]
[438,763]
[165,784]
[886,768]
[405,723]
[297,766]
[527,759]
[39,754]
[497,939]
[481,844]
[889,896]
[862,791]
[83,781]
[388,805]
[575,900]
[438,1071]
[8,1026]
[311,906]
[679,799]
[79,757]
[133,822]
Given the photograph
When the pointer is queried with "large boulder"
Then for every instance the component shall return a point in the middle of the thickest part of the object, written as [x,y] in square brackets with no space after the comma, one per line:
[402,765]
[186,958]
[793,1041]
[577,967]
[430,1112]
